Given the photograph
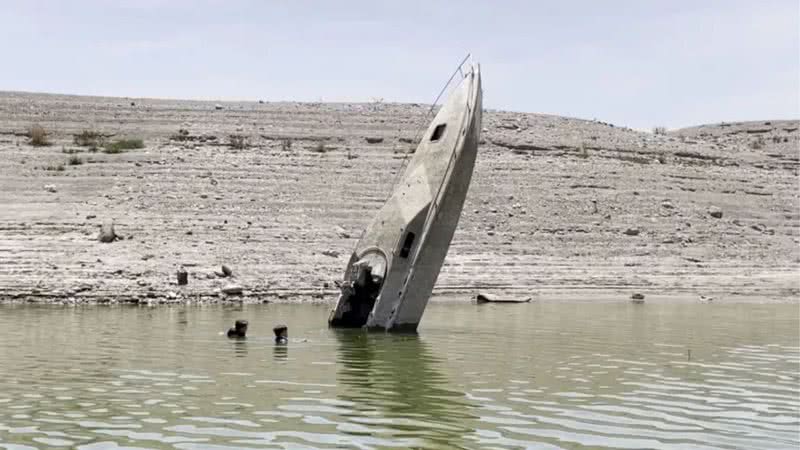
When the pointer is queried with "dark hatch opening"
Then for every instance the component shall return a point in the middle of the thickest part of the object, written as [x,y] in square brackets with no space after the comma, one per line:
[407,243]
[438,132]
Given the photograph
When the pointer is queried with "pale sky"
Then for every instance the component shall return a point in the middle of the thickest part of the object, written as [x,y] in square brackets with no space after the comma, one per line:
[634,63]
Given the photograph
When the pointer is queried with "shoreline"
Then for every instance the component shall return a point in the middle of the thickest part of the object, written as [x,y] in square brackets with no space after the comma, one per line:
[328,298]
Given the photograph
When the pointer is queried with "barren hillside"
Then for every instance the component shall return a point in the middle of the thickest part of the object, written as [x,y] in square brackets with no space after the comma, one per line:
[558,207]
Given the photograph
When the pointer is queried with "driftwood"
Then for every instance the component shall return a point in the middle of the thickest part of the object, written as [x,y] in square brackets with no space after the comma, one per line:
[232,289]
[490,298]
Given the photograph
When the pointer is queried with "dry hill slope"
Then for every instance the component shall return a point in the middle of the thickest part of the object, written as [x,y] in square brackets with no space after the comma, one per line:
[558,207]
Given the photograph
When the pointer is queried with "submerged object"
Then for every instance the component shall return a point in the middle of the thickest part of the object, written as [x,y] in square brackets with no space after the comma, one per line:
[239,329]
[394,266]
[489,298]
[281,334]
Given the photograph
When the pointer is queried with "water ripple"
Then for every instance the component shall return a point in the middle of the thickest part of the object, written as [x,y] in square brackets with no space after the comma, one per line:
[535,377]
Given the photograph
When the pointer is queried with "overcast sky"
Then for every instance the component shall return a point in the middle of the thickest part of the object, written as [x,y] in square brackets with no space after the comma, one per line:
[636,63]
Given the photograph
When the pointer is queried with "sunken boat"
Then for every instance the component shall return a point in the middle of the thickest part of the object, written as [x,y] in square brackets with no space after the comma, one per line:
[391,274]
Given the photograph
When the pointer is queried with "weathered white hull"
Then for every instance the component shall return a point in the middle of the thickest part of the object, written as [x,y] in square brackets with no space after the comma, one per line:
[394,267]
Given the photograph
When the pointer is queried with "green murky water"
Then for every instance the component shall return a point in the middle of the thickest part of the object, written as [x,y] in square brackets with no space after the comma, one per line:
[538,376]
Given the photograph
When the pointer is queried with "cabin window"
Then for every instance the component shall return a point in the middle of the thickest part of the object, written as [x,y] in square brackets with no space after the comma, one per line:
[438,132]
[407,243]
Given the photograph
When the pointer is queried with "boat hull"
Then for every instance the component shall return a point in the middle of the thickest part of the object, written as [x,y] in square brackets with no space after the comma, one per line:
[396,263]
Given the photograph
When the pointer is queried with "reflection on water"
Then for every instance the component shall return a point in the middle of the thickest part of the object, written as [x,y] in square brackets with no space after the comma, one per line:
[393,381]
[239,347]
[542,376]
[280,352]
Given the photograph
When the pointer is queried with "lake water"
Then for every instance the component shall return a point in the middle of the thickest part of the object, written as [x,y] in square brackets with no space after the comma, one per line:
[538,376]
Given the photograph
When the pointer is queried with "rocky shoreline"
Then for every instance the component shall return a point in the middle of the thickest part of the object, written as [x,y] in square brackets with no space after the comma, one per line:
[559,208]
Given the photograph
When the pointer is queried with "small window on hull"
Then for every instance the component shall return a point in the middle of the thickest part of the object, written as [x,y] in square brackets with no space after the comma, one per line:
[407,243]
[438,132]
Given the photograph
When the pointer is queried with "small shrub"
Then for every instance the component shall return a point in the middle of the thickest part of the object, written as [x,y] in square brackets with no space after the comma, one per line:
[74,160]
[181,135]
[121,145]
[662,159]
[660,130]
[38,136]
[88,138]
[634,159]
[237,141]
[319,148]
[583,152]
[757,144]
[58,168]
[286,144]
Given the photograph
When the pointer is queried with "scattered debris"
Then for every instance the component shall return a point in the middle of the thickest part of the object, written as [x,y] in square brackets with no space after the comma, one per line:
[319,148]
[342,233]
[107,233]
[227,271]
[761,228]
[224,272]
[50,188]
[715,212]
[508,126]
[632,232]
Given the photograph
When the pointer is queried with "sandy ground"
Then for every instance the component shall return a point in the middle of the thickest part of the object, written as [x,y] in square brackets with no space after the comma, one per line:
[559,208]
